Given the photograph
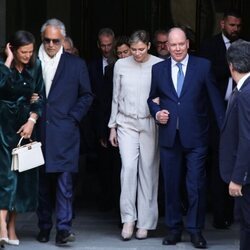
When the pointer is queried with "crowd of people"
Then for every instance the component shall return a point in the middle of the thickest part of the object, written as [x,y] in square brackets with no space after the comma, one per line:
[151,116]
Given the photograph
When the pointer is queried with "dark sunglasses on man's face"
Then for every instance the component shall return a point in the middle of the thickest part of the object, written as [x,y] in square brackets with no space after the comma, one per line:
[54,41]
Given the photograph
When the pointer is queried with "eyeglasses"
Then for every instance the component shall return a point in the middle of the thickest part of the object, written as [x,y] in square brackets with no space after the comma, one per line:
[161,43]
[54,41]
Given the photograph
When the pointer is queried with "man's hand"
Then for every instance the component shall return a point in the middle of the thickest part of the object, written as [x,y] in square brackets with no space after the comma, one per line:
[162,116]
[235,189]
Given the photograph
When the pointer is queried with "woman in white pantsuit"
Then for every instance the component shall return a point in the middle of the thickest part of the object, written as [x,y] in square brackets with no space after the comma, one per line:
[135,132]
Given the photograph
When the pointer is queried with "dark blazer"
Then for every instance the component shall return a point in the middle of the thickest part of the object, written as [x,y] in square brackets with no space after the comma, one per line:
[106,102]
[235,138]
[192,105]
[215,50]
[95,68]
[68,102]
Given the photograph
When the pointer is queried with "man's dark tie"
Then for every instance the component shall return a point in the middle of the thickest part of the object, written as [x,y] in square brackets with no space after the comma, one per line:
[180,78]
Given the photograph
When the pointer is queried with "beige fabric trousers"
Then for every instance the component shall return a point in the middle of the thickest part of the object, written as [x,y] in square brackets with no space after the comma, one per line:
[138,145]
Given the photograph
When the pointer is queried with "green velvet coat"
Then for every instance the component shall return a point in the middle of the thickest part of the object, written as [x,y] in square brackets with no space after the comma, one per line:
[18,191]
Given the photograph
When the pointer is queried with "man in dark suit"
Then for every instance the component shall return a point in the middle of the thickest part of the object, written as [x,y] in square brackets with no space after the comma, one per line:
[104,153]
[67,100]
[215,49]
[183,84]
[235,138]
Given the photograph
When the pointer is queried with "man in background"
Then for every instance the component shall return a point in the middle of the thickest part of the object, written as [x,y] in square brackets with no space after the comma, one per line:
[160,43]
[235,138]
[215,49]
[103,155]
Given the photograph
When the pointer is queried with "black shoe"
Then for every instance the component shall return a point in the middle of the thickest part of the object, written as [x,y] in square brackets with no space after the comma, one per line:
[64,236]
[198,240]
[43,236]
[221,224]
[171,239]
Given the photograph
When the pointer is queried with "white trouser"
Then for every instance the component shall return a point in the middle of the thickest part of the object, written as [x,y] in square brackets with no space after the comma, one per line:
[138,145]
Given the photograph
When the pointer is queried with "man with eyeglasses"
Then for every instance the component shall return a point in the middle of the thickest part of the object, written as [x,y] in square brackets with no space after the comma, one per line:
[160,42]
[67,98]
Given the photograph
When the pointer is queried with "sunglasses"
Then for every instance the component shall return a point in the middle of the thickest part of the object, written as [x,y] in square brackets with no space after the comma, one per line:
[48,41]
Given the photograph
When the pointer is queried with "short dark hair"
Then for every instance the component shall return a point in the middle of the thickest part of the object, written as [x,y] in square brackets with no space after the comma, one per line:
[157,32]
[22,38]
[120,40]
[238,55]
[232,12]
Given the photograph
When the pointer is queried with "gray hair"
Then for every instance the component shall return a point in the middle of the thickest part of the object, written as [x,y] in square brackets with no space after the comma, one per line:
[106,32]
[55,23]
[139,36]
[238,55]
[69,40]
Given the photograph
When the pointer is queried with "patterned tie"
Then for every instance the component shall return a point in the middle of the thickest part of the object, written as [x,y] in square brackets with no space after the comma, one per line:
[180,78]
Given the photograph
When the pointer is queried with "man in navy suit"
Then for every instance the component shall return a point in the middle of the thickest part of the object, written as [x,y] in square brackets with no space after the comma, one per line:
[235,138]
[104,159]
[182,116]
[67,100]
[215,49]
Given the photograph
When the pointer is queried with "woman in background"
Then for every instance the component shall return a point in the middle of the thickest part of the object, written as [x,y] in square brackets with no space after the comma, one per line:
[20,106]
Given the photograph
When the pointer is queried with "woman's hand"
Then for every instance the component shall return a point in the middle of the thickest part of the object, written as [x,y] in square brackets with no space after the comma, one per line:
[113,137]
[34,98]
[26,129]
[9,55]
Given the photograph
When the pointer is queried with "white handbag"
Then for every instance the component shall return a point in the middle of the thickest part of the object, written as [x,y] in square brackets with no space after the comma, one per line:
[27,156]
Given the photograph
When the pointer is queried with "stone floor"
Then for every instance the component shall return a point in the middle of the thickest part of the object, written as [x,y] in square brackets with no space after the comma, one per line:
[100,231]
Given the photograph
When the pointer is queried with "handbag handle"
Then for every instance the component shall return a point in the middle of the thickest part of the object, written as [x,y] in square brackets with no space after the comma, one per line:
[20,141]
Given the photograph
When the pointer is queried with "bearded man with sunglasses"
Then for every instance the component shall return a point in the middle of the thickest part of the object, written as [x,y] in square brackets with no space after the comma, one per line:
[67,98]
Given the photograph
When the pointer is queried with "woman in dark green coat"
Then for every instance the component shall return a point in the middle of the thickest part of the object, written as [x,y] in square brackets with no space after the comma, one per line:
[21,84]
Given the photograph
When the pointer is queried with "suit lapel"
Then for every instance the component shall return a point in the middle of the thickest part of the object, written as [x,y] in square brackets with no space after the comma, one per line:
[233,99]
[188,76]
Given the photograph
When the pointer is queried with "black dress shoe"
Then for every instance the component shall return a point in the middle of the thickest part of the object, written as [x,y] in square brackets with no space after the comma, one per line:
[64,236]
[43,236]
[171,239]
[198,240]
